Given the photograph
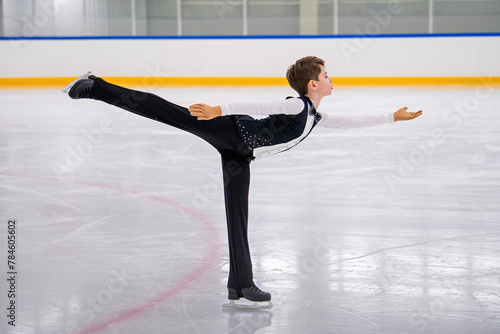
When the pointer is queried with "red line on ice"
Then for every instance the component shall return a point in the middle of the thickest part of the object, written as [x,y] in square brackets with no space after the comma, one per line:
[194,275]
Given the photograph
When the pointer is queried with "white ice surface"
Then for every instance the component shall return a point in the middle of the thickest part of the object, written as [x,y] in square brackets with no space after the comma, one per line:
[120,220]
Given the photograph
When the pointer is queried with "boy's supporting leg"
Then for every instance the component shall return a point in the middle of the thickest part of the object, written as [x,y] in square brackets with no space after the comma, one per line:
[236,176]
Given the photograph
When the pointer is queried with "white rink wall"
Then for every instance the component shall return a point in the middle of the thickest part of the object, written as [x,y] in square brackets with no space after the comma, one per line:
[455,56]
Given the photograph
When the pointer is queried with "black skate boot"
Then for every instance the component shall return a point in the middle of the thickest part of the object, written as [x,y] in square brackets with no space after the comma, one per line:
[81,89]
[251,293]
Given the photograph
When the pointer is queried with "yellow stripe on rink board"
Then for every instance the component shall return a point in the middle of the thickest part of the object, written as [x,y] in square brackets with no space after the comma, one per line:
[147,81]
[249,81]
[416,81]
[201,81]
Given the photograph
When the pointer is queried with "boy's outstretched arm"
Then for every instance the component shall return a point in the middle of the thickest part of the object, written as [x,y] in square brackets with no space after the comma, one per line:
[404,115]
[265,108]
[204,112]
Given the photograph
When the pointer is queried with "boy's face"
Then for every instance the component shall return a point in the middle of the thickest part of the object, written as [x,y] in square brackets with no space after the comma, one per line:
[324,83]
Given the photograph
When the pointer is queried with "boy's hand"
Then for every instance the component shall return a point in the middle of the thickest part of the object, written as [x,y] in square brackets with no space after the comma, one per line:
[204,112]
[403,115]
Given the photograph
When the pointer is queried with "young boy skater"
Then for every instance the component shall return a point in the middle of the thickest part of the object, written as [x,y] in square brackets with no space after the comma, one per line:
[239,138]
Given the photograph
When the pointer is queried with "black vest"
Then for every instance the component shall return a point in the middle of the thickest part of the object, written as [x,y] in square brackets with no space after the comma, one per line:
[274,129]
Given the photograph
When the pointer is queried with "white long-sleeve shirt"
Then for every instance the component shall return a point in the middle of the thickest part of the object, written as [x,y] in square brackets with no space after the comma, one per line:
[295,106]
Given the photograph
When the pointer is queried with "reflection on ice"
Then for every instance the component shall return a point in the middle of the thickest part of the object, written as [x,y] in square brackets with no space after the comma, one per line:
[392,229]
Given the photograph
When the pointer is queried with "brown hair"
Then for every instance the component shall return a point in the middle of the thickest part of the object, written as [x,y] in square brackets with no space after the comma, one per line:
[304,70]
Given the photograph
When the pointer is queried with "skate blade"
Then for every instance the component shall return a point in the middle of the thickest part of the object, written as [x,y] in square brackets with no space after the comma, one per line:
[72,83]
[254,306]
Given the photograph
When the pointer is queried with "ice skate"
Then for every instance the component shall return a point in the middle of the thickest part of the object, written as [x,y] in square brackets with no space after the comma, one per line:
[256,298]
[72,83]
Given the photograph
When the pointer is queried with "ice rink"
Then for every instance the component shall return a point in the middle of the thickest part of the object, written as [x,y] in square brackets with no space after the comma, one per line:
[120,224]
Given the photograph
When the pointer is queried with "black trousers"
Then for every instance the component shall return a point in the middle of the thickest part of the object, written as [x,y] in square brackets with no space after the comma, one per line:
[222,134]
